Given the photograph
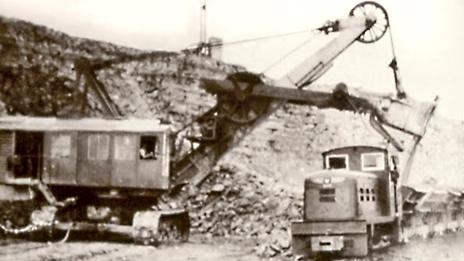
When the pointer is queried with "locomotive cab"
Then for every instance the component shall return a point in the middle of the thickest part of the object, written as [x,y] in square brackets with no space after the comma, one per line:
[350,206]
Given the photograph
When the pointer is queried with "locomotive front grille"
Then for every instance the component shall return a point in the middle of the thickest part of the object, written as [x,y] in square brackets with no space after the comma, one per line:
[327,195]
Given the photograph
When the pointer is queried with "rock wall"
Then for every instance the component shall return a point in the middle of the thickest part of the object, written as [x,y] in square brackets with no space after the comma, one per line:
[294,138]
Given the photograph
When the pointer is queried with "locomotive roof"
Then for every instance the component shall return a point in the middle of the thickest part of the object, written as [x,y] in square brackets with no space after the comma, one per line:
[340,173]
[83,124]
[366,147]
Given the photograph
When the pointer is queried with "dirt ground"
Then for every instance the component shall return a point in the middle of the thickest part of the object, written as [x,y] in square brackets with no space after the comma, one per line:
[446,248]
[197,248]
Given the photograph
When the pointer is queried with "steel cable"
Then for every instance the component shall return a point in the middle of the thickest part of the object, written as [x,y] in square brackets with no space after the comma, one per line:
[260,38]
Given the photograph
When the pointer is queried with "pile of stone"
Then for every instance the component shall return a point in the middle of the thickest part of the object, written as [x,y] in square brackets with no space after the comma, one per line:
[235,203]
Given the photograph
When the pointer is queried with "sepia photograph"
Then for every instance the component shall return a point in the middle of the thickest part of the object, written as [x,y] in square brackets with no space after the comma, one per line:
[301,130]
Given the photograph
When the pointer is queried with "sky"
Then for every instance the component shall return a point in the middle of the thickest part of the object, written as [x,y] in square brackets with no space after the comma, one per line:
[427,36]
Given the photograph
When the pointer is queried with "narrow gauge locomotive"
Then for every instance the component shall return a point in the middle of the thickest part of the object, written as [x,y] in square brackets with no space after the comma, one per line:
[351,206]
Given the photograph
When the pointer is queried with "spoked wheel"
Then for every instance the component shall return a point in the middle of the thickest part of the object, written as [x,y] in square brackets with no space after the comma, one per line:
[242,112]
[241,107]
[379,23]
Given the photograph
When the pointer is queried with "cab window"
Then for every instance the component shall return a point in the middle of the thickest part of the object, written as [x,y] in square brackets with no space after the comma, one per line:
[60,146]
[148,148]
[124,147]
[337,162]
[373,161]
[98,146]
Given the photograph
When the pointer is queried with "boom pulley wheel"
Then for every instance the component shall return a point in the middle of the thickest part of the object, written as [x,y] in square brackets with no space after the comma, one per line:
[379,24]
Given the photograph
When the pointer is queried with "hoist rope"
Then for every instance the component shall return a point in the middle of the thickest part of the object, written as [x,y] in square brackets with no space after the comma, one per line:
[260,38]
[392,46]
[391,40]
[356,110]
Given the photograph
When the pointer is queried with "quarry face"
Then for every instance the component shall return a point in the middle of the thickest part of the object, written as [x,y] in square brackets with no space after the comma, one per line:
[244,210]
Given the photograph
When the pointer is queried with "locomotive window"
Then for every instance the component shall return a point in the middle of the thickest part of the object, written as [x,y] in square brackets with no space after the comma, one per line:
[373,161]
[124,147]
[337,162]
[98,146]
[327,195]
[148,148]
[60,146]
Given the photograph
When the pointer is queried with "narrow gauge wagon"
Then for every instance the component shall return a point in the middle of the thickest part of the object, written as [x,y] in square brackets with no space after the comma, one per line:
[351,205]
[90,174]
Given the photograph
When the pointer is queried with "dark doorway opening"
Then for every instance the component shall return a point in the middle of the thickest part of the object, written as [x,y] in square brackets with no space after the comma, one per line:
[28,151]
